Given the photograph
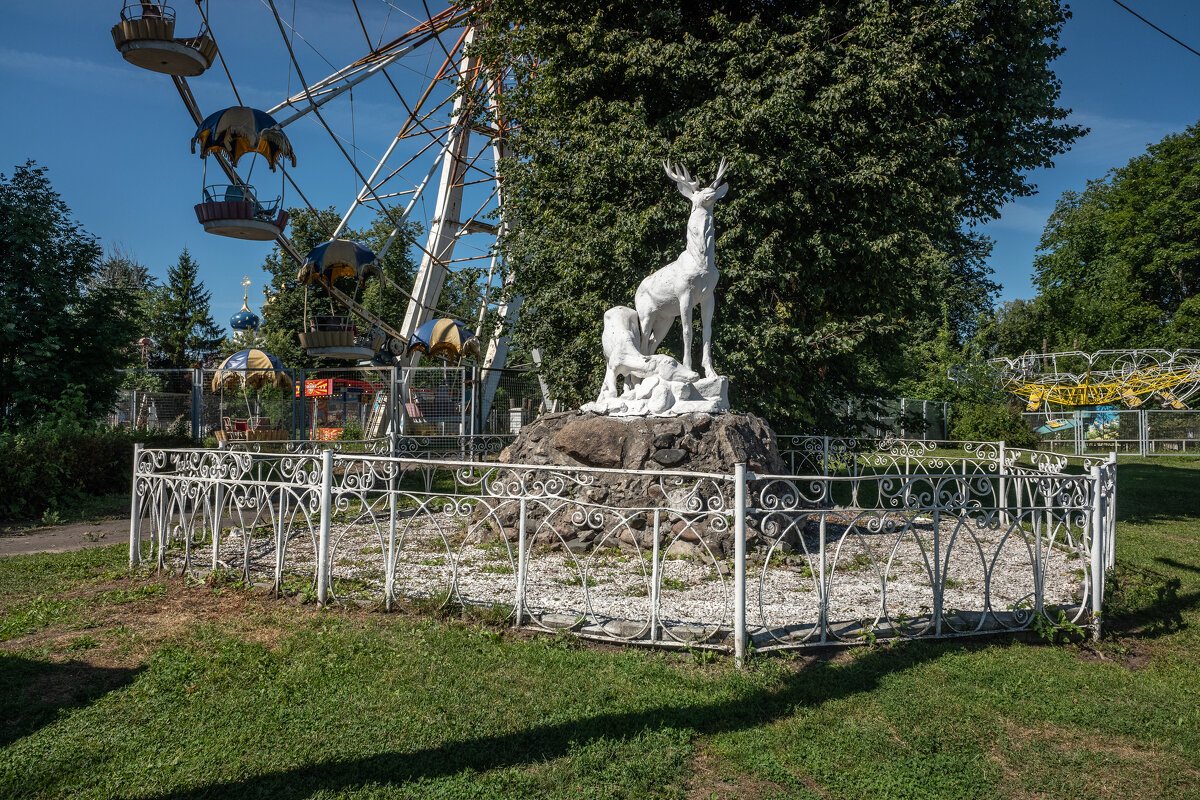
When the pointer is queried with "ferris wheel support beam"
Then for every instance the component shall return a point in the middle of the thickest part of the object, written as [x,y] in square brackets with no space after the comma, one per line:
[497,351]
[444,226]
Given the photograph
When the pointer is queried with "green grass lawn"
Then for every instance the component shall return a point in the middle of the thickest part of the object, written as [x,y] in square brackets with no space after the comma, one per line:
[141,687]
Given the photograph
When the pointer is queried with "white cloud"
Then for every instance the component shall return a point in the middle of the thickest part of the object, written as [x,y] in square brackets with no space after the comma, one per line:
[1113,141]
[77,72]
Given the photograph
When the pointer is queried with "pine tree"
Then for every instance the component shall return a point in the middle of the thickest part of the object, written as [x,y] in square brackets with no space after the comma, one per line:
[180,318]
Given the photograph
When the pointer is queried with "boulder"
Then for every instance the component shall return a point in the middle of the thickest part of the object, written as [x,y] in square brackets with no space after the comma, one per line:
[690,443]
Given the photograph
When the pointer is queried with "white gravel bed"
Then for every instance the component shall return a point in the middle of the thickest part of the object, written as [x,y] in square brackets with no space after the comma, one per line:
[984,569]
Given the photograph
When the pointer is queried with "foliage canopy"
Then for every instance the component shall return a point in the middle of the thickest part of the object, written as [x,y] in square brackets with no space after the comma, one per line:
[1119,262]
[62,327]
[862,137]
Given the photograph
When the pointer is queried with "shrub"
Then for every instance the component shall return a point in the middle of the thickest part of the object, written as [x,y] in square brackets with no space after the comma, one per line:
[990,422]
[65,459]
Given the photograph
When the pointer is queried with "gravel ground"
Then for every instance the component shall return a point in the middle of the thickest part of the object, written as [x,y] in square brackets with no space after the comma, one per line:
[436,557]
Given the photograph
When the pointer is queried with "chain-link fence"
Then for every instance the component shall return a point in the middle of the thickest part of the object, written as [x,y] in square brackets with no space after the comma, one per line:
[239,409]
[906,417]
[331,403]
[1147,432]
[1172,432]
[344,403]
[153,400]
[517,400]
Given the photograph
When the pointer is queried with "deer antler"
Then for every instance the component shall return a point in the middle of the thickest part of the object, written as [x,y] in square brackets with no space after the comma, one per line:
[682,178]
[720,174]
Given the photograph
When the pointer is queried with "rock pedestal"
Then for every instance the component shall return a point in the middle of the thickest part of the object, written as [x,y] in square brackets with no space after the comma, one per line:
[711,443]
[687,443]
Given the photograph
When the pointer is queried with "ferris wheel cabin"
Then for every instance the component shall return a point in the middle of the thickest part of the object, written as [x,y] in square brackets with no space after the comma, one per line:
[146,38]
[338,337]
[235,211]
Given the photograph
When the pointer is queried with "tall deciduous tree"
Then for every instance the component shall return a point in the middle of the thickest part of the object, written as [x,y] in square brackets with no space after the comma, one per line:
[180,318]
[1119,265]
[61,325]
[864,139]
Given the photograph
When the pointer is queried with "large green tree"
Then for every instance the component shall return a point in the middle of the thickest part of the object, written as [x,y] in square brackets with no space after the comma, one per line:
[179,318]
[1119,262]
[61,324]
[864,139]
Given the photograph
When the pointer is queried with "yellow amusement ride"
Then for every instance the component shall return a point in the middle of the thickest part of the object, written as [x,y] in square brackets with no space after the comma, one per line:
[1106,378]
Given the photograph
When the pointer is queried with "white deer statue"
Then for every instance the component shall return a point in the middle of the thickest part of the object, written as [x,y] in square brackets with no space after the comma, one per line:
[689,280]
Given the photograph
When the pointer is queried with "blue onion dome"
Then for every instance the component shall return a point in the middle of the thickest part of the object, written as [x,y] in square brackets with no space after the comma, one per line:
[245,319]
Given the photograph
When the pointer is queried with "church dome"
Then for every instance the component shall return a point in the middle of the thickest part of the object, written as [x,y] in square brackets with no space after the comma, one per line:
[245,320]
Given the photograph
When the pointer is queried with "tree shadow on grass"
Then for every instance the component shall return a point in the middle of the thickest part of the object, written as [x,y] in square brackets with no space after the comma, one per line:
[32,693]
[817,682]
[1142,496]
[1170,562]
[1147,604]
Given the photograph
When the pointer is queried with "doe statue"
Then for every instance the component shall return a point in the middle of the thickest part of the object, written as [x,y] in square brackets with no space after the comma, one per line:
[657,384]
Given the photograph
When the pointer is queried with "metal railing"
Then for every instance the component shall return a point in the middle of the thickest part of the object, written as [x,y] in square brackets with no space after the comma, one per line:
[724,561]
[479,447]
[233,193]
[134,9]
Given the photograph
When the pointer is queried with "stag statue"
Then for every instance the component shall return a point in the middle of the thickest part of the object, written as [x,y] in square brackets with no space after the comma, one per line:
[689,280]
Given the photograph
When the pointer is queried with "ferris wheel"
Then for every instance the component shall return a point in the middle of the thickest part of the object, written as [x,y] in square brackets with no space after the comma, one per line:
[438,167]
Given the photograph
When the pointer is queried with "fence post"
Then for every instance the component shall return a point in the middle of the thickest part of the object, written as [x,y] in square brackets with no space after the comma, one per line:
[739,567]
[655,577]
[394,405]
[1002,500]
[522,566]
[405,381]
[218,503]
[393,471]
[197,401]
[297,402]
[326,520]
[1099,529]
[1111,517]
[823,595]
[135,513]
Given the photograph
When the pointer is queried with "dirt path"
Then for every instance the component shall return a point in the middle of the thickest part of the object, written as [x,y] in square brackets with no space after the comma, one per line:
[63,538]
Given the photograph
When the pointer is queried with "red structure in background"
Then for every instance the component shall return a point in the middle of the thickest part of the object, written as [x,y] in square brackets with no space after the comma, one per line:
[330,402]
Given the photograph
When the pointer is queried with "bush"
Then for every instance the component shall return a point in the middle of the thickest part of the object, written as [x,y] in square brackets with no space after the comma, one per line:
[990,422]
[66,459]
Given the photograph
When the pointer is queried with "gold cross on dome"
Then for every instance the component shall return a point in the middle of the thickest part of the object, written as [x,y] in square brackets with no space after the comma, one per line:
[246,280]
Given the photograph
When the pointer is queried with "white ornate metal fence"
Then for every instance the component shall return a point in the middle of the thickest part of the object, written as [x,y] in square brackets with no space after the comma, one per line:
[877,541]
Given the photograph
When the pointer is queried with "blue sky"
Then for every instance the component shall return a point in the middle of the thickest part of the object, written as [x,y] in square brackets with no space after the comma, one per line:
[115,138]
